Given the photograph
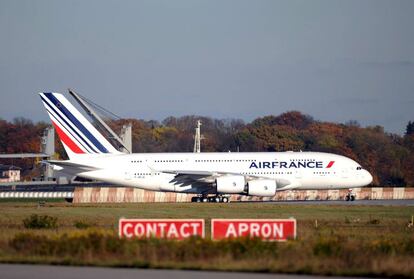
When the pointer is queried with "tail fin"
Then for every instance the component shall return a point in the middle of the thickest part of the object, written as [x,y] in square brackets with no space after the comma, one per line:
[77,134]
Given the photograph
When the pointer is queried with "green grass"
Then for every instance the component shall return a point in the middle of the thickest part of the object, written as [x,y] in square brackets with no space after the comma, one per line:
[348,239]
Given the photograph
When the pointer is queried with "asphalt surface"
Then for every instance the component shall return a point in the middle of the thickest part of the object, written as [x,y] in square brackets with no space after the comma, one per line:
[17,271]
[350,203]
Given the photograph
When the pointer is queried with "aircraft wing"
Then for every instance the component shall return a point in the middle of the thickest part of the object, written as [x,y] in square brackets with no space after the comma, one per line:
[188,172]
[210,176]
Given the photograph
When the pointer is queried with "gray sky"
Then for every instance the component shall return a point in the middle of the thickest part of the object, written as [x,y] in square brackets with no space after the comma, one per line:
[334,60]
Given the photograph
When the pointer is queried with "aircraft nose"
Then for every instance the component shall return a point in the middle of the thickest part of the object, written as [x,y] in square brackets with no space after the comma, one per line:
[368,177]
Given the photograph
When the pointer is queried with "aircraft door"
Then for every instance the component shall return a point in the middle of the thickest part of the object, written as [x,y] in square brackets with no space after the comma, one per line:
[298,174]
[345,173]
[128,175]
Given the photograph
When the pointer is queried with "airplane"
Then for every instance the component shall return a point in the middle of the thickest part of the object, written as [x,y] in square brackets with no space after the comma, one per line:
[211,176]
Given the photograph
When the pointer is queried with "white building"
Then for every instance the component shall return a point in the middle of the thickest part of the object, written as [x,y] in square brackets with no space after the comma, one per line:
[9,173]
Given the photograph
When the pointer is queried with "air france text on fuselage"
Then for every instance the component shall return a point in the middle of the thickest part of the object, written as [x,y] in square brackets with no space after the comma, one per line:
[288,165]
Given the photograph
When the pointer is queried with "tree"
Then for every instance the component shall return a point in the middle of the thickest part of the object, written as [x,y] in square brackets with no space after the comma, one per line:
[389,157]
[294,119]
[410,128]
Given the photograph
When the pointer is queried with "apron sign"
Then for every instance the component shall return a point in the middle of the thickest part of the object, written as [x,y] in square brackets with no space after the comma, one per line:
[161,228]
[266,229]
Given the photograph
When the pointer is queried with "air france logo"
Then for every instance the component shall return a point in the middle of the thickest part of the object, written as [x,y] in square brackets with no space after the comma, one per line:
[288,165]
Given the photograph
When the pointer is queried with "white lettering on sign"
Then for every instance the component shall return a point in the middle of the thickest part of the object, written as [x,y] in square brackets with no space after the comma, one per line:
[267,229]
[255,229]
[231,231]
[125,230]
[165,228]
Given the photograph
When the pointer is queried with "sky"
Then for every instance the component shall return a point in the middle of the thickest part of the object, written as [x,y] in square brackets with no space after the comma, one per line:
[334,60]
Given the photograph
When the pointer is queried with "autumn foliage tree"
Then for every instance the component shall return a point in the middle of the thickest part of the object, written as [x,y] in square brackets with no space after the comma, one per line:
[389,157]
[20,136]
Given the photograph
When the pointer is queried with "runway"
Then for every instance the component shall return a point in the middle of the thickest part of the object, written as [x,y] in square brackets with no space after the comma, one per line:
[17,271]
[349,203]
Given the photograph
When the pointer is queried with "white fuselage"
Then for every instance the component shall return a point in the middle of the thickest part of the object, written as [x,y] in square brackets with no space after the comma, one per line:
[290,170]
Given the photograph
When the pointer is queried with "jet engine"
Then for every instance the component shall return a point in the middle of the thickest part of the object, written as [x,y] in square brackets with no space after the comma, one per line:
[232,184]
[261,187]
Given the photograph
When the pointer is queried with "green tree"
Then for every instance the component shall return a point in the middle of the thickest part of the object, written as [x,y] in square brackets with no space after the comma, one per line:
[410,128]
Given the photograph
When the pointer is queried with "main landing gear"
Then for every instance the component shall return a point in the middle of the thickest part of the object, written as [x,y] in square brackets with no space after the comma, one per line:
[216,199]
[350,196]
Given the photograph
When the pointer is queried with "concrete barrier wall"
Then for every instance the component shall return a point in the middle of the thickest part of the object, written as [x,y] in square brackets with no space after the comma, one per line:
[121,195]
[36,195]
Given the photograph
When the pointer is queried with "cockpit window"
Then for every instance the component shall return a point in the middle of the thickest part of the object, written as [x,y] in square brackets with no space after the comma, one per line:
[359,168]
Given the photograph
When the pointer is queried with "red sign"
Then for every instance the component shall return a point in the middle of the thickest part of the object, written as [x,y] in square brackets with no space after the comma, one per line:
[266,229]
[161,228]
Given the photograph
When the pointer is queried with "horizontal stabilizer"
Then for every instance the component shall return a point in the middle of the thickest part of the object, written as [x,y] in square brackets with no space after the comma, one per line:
[64,164]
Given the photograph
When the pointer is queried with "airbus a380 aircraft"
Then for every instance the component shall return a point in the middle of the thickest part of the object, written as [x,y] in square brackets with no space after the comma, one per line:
[258,174]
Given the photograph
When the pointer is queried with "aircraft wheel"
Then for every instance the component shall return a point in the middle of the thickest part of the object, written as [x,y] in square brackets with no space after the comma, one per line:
[198,199]
[352,198]
[217,199]
[204,199]
[225,199]
[347,198]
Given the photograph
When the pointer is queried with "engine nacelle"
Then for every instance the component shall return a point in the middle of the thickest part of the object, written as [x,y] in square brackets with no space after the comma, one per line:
[261,187]
[232,184]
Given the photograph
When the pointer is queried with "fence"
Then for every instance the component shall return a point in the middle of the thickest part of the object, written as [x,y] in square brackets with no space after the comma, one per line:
[121,195]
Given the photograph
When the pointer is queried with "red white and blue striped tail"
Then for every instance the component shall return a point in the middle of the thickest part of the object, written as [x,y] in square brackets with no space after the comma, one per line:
[77,134]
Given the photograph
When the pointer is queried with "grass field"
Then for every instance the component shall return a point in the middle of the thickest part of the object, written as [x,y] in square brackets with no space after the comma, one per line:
[345,240]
